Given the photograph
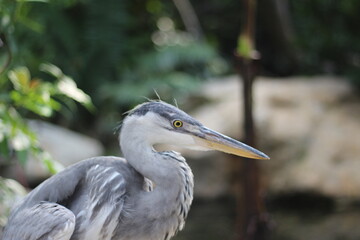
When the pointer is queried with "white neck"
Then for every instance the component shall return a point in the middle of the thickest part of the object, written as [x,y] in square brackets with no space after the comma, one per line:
[172,177]
[142,156]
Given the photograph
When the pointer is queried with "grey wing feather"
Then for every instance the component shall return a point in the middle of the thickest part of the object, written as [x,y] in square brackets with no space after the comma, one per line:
[41,215]
[38,216]
[98,213]
[43,221]
[58,187]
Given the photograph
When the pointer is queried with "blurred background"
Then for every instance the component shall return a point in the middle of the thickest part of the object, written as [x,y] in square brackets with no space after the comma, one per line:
[70,69]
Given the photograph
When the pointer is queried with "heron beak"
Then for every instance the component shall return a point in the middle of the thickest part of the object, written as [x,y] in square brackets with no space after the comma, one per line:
[211,139]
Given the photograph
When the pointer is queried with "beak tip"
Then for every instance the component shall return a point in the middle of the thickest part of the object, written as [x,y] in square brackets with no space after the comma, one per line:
[263,156]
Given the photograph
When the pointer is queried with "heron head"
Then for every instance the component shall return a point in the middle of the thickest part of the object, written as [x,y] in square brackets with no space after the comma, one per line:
[160,123]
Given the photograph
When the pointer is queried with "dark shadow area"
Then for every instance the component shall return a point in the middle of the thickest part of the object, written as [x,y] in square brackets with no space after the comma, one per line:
[303,202]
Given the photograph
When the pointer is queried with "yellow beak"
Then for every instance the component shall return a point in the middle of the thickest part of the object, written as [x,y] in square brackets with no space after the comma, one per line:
[211,139]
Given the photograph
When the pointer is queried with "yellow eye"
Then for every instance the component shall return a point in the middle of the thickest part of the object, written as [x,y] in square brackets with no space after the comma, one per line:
[177,123]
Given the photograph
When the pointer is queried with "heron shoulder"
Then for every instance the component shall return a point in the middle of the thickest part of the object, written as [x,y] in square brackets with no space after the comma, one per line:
[62,185]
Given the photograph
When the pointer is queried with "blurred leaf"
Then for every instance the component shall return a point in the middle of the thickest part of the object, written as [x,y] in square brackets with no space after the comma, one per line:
[20,78]
[33,25]
[51,69]
[38,102]
[4,148]
[20,141]
[68,87]
[40,109]
[22,156]
[3,129]
[44,1]
[52,165]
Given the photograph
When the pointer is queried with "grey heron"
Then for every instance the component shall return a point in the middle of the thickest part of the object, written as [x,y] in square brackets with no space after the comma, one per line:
[146,195]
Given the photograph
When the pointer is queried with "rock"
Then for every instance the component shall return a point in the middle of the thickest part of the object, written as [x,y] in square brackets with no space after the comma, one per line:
[317,130]
[65,147]
[308,126]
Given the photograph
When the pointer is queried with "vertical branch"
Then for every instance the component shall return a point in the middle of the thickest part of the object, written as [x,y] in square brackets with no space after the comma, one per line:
[246,44]
[251,223]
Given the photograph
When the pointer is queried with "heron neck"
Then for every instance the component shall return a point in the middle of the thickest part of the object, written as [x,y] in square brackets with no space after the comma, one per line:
[172,196]
[173,179]
[151,164]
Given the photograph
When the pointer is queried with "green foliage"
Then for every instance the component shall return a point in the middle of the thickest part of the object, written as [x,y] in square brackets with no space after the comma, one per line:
[327,36]
[66,87]
[20,94]
[17,140]
[41,98]
[118,51]
[175,67]
[30,94]
[103,42]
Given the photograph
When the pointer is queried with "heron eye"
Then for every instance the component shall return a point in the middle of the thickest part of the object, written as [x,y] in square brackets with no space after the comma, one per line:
[177,123]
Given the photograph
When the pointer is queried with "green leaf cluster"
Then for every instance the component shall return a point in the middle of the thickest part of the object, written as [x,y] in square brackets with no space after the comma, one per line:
[42,98]
[17,141]
[31,94]
[39,96]
[109,42]
[111,49]
[21,95]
